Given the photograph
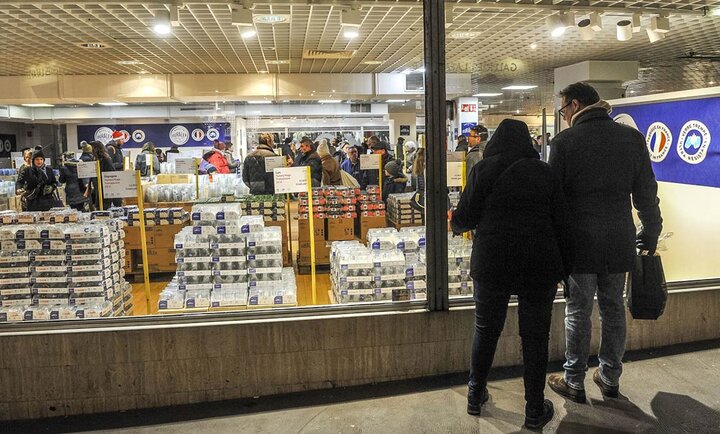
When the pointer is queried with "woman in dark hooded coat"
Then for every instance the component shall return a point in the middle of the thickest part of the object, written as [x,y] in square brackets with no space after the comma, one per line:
[515,204]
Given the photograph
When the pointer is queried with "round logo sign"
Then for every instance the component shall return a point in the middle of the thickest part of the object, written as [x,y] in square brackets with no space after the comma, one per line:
[626,119]
[126,135]
[198,135]
[659,141]
[138,136]
[693,142]
[213,134]
[179,135]
[7,146]
[103,134]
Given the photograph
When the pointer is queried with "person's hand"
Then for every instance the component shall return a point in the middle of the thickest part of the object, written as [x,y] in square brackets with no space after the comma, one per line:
[646,242]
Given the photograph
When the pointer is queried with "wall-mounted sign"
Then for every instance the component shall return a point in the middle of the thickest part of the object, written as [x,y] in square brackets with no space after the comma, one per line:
[404,130]
[678,136]
[8,144]
[468,108]
[163,135]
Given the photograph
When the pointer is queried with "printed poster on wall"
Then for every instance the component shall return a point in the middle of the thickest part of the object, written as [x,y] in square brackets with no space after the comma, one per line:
[466,128]
[162,135]
[8,144]
[679,137]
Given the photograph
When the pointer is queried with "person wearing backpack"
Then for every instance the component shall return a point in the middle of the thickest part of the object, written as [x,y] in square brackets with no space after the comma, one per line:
[141,161]
[515,204]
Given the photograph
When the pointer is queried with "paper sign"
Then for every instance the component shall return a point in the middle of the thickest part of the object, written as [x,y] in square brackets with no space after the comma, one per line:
[290,179]
[272,163]
[370,162]
[18,162]
[172,156]
[117,185]
[87,169]
[454,174]
[455,157]
[185,165]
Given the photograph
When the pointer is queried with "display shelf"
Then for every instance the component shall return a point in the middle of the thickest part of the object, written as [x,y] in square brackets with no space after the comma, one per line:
[183,310]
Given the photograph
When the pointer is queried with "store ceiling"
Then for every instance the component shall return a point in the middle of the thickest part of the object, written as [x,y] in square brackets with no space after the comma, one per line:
[44,37]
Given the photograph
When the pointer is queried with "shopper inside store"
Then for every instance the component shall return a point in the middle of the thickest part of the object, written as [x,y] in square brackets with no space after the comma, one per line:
[360,216]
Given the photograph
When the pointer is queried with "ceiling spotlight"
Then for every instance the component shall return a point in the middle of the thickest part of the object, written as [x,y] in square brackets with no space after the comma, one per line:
[560,22]
[241,17]
[660,24]
[161,23]
[248,34]
[595,22]
[636,24]
[624,30]
[350,18]
[655,36]
[585,29]
[174,15]
[351,33]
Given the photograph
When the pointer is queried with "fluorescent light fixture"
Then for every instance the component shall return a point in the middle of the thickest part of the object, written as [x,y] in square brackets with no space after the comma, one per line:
[408,71]
[161,23]
[487,95]
[533,46]
[129,62]
[636,22]
[659,24]
[271,19]
[330,101]
[464,35]
[350,18]
[420,70]
[277,62]
[262,72]
[372,62]
[351,33]
[655,36]
[112,104]
[624,30]
[716,12]
[258,102]
[396,100]
[519,87]
[247,34]
[37,105]
[241,17]
[585,29]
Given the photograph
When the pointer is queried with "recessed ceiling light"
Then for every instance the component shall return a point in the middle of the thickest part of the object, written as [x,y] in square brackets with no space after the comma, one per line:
[464,35]
[533,46]
[112,104]
[519,87]
[161,23]
[143,72]
[262,72]
[247,34]
[330,101]
[271,19]
[488,94]
[351,33]
[372,62]
[129,62]
[277,62]
[37,105]
[93,45]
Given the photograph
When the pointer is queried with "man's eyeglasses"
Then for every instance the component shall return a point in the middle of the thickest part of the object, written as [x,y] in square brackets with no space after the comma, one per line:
[562,109]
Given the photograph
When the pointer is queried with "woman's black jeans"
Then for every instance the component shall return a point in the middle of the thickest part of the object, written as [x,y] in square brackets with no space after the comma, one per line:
[535,311]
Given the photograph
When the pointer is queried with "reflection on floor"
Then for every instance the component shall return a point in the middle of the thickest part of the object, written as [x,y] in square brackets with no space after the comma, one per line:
[673,390]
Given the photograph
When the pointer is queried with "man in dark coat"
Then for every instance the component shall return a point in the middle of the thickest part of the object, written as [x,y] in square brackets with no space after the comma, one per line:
[114,150]
[254,175]
[308,157]
[75,188]
[604,168]
[516,205]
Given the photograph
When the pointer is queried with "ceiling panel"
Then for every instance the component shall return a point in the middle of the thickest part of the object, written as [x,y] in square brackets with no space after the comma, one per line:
[44,36]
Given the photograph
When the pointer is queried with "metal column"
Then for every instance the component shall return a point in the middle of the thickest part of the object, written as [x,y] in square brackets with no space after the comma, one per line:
[435,153]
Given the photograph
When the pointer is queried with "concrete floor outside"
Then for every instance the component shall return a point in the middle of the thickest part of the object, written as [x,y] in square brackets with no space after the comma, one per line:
[670,390]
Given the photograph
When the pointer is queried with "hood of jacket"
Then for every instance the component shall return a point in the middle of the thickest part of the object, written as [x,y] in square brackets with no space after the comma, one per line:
[600,107]
[397,179]
[512,140]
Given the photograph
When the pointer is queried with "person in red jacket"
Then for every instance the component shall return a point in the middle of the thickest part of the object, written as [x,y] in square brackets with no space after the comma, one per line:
[217,158]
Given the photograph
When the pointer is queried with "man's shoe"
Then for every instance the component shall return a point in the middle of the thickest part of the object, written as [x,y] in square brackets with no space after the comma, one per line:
[558,385]
[542,420]
[607,390]
[474,406]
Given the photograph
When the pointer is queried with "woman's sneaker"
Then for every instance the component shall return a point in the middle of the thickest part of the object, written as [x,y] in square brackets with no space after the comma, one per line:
[475,403]
[537,422]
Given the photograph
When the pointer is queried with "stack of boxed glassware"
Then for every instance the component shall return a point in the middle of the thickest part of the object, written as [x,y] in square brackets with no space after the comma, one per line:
[459,280]
[227,260]
[400,212]
[62,265]
[390,268]
[272,208]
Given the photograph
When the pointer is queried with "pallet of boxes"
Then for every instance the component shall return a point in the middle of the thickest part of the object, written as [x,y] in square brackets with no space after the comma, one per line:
[161,226]
[335,211]
[60,265]
[226,261]
[371,212]
[400,213]
[272,210]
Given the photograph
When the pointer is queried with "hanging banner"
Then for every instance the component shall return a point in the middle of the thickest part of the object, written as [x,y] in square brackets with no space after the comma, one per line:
[117,185]
[679,138]
[163,135]
[290,180]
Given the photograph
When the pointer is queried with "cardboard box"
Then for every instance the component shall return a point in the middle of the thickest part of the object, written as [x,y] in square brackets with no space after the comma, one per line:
[164,236]
[366,223]
[322,253]
[340,229]
[128,264]
[304,230]
[161,261]
[132,238]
